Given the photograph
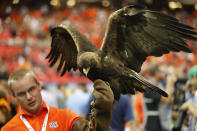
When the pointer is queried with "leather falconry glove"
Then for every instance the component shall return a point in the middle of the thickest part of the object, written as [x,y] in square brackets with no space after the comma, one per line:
[101,114]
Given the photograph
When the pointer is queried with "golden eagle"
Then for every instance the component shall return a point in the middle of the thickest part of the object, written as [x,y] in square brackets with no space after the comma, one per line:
[132,34]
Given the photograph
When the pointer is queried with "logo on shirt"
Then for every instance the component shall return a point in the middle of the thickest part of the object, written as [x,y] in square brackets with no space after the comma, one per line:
[53,124]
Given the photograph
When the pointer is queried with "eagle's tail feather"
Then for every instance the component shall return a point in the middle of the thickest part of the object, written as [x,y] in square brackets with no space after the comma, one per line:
[146,83]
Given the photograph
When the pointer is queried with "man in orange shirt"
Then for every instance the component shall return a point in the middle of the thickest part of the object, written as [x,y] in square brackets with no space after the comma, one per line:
[35,115]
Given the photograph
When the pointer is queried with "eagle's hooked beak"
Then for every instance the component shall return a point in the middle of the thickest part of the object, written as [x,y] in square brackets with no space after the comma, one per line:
[86,70]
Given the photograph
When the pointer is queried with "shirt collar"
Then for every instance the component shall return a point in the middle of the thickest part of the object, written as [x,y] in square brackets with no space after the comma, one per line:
[22,112]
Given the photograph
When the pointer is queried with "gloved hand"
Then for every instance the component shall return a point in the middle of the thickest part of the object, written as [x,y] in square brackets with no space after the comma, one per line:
[101,112]
[102,105]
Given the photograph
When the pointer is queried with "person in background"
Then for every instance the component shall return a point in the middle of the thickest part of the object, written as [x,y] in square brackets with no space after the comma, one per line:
[9,99]
[193,73]
[5,109]
[155,114]
[34,114]
[138,109]
[49,97]
[122,114]
[78,100]
[61,95]
[191,105]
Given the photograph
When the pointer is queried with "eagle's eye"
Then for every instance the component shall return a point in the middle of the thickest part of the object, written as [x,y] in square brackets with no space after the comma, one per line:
[86,70]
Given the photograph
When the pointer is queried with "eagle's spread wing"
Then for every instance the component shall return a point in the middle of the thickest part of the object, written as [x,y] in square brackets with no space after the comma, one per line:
[133,33]
[67,43]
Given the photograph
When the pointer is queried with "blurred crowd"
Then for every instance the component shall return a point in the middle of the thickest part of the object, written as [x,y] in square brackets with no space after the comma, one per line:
[25,37]
[25,42]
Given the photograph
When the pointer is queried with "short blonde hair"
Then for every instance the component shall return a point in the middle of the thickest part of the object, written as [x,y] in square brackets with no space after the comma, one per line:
[19,75]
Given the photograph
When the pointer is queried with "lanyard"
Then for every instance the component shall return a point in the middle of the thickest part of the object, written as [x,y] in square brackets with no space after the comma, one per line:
[29,126]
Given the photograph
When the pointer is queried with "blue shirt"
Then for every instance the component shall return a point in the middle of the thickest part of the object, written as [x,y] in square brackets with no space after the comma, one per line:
[77,102]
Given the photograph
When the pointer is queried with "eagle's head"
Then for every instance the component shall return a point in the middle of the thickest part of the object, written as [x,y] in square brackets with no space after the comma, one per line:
[88,61]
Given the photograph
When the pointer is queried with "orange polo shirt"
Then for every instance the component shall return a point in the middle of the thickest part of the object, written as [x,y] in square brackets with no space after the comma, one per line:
[58,120]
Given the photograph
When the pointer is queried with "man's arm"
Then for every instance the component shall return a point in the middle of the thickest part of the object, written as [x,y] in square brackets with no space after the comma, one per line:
[102,108]
[171,79]
[189,108]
